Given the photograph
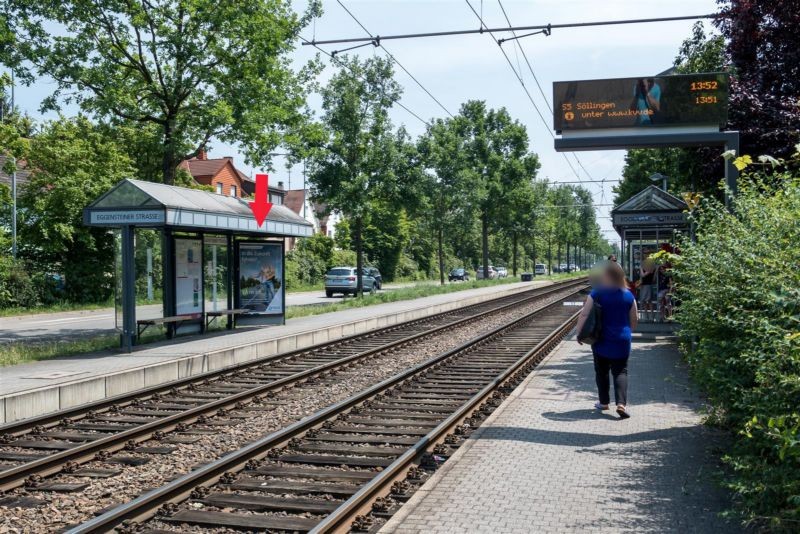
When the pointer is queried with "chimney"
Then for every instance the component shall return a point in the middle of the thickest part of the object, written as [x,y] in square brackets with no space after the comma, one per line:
[202,154]
[280,185]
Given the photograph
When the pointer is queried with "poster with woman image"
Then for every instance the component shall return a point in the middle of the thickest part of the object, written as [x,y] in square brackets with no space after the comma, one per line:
[260,278]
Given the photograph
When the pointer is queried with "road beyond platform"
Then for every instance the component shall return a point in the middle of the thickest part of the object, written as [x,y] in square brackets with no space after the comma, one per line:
[545,461]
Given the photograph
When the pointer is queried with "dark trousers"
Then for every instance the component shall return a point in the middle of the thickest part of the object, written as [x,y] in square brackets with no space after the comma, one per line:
[619,370]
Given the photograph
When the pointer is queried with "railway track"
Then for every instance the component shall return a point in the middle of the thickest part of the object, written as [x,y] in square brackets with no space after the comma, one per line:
[348,466]
[33,449]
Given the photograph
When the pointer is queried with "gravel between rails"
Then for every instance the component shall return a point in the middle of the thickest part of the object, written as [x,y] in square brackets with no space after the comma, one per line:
[61,510]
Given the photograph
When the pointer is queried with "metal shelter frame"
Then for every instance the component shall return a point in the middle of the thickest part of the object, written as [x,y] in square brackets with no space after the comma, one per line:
[135,204]
[649,216]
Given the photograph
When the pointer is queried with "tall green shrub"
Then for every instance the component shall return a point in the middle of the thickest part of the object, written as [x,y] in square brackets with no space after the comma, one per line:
[739,289]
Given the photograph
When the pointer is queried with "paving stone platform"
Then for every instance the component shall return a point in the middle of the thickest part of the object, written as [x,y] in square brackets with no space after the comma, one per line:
[545,461]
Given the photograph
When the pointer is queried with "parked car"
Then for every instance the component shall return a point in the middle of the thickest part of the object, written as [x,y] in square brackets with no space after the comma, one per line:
[376,274]
[492,273]
[562,268]
[573,268]
[343,280]
[458,274]
[539,269]
[502,272]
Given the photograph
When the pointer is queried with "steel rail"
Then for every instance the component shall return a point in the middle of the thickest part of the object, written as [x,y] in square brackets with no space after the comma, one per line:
[57,462]
[378,38]
[360,503]
[146,505]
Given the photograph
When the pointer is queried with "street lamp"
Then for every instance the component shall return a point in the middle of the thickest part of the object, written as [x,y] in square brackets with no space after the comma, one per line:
[660,177]
[290,183]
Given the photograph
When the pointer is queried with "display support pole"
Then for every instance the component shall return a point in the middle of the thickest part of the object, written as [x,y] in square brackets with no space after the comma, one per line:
[128,337]
[168,270]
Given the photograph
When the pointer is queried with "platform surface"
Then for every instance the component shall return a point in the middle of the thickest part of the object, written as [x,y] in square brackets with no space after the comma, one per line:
[545,461]
[53,372]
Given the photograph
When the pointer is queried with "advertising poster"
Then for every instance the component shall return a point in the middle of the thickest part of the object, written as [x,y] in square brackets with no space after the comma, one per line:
[188,277]
[260,278]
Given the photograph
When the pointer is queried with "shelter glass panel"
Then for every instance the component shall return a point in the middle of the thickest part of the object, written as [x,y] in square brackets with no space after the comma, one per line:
[215,261]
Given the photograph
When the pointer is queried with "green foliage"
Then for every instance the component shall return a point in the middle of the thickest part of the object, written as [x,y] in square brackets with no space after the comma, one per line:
[22,287]
[359,169]
[193,69]
[309,261]
[74,162]
[739,287]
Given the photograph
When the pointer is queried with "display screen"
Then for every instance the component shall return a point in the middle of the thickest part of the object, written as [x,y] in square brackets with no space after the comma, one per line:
[647,102]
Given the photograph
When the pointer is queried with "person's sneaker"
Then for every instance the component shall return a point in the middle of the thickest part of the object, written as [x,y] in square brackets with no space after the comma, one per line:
[600,407]
[622,412]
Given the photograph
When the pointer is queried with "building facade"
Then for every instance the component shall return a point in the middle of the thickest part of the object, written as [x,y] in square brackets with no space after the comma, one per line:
[226,179]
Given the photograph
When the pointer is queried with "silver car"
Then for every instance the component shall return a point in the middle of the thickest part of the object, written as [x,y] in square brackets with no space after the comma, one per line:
[492,273]
[343,280]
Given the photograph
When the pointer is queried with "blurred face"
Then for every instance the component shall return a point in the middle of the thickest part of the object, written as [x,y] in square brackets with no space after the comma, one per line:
[607,280]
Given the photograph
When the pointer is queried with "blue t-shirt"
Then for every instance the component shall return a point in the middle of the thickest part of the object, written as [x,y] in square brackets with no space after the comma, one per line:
[615,341]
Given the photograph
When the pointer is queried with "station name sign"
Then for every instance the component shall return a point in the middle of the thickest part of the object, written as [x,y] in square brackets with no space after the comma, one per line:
[123,217]
[646,102]
[649,219]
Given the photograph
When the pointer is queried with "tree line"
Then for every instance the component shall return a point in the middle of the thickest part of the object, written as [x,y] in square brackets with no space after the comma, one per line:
[156,82]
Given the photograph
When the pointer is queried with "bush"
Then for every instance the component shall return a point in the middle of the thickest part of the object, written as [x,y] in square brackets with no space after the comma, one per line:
[20,289]
[739,288]
[408,269]
[307,264]
[344,258]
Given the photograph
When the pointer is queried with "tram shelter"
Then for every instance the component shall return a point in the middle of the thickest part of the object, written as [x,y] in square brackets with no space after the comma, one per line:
[210,246]
[646,223]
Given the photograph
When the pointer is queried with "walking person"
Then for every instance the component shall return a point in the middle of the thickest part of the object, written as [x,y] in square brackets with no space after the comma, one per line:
[611,351]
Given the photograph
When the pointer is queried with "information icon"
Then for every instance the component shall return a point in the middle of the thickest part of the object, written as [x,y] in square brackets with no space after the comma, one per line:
[569,115]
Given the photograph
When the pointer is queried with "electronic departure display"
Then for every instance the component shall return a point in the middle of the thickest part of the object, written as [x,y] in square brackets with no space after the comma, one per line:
[647,102]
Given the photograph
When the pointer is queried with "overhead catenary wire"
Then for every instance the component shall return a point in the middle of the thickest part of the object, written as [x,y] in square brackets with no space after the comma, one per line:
[549,27]
[343,65]
[377,42]
[535,78]
[522,83]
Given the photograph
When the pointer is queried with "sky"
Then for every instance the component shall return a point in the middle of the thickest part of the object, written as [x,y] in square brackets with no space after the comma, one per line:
[459,68]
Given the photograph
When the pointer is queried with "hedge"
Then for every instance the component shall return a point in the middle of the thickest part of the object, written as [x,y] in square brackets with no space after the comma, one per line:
[739,292]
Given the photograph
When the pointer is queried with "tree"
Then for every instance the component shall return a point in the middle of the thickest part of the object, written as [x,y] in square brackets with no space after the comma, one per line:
[496,161]
[73,163]
[446,187]
[357,163]
[193,69]
[764,52]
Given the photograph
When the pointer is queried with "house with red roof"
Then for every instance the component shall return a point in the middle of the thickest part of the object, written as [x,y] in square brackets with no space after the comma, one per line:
[226,179]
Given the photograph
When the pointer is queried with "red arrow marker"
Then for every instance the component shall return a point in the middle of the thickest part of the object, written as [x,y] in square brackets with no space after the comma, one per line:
[261,204]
